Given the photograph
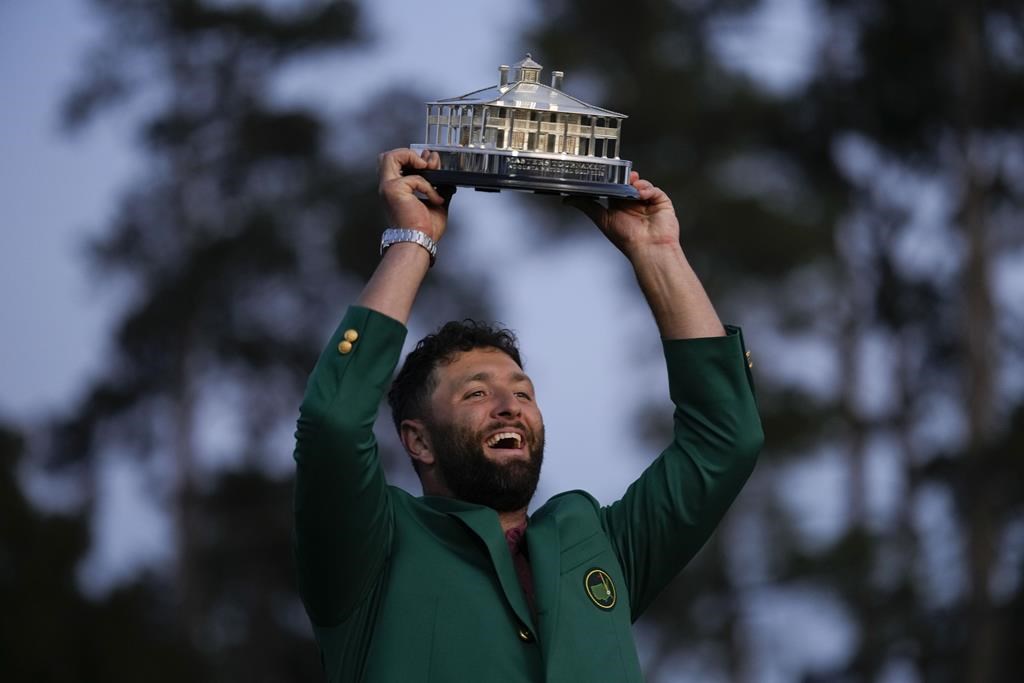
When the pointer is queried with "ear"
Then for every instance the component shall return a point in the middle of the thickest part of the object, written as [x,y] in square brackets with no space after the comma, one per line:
[416,441]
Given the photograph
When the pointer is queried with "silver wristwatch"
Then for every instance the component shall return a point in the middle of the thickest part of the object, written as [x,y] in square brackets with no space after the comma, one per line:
[396,235]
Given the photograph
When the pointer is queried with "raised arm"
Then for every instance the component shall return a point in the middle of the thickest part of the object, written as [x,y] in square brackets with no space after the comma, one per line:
[343,521]
[647,232]
[670,511]
[394,284]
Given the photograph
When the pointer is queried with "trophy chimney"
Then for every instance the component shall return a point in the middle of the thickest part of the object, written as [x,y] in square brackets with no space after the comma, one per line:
[503,75]
[527,71]
[556,79]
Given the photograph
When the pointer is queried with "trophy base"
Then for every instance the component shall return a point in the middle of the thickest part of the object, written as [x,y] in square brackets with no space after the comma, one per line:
[487,183]
[491,170]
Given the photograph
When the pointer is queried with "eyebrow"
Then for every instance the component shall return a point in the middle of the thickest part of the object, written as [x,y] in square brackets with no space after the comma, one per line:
[485,376]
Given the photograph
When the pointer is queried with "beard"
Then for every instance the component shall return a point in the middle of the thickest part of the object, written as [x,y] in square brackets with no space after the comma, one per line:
[472,477]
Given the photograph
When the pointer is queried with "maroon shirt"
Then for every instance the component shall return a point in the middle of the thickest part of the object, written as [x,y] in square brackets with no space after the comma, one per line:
[516,539]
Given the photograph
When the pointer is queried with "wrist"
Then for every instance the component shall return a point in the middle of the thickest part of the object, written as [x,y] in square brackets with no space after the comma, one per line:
[658,250]
[413,236]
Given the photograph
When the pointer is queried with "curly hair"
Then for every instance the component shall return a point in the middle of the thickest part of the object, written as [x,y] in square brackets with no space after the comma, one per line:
[410,392]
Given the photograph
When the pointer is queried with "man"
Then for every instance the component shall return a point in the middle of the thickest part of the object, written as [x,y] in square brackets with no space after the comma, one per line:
[460,584]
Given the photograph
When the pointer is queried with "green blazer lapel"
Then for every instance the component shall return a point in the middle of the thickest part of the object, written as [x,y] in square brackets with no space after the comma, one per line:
[483,521]
[545,563]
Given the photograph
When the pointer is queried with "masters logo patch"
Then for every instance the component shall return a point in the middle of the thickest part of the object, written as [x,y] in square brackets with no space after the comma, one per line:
[600,588]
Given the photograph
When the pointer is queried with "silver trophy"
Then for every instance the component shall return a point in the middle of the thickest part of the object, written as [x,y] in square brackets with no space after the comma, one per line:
[523,135]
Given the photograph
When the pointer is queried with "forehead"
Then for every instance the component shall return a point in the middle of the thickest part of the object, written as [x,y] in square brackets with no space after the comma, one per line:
[478,364]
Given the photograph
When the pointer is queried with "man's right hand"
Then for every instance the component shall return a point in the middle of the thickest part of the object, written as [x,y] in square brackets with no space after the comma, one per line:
[405,209]
[411,202]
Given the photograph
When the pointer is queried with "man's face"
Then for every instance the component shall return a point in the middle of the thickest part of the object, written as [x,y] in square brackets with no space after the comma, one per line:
[486,430]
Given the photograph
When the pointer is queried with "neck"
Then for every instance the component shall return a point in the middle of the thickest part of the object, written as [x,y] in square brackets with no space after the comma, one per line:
[510,520]
[433,487]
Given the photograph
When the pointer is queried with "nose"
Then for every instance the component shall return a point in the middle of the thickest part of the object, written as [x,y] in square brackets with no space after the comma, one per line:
[506,404]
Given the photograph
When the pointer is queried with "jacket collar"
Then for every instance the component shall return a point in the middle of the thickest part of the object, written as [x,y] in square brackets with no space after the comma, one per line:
[483,521]
[545,556]
[545,549]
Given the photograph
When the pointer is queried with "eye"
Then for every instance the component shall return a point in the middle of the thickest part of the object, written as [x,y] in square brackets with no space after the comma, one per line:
[524,395]
[474,394]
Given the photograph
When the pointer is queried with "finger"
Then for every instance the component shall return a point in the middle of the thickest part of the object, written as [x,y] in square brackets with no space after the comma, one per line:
[391,163]
[636,181]
[654,196]
[644,188]
[420,184]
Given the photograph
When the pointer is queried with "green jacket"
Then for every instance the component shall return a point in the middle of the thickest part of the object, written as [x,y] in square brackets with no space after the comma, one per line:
[403,589]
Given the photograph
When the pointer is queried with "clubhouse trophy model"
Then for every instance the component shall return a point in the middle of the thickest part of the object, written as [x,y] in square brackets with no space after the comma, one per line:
[523,135]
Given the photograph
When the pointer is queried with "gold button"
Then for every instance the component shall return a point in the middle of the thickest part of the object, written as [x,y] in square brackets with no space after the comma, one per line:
[750,365]
[344,347]
[747,354]
[351,336]
[525,635]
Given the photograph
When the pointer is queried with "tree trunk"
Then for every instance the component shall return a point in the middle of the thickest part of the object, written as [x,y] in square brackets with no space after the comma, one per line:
[979,352]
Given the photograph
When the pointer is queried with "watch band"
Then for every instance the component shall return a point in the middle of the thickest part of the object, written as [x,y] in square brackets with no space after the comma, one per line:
[396,235]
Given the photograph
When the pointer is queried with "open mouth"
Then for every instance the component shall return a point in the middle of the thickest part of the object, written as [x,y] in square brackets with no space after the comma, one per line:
[505,440]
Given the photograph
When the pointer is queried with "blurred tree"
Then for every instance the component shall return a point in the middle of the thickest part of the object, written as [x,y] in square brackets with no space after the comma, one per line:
[936,99]
[870,213]
[239,244]
[49,631]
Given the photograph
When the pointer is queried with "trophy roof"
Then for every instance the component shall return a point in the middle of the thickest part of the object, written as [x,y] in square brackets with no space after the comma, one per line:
[524,95]
[527,63]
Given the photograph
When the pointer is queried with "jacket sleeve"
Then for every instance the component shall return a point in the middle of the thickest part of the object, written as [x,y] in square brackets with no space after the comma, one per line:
[671,510]
[343,513]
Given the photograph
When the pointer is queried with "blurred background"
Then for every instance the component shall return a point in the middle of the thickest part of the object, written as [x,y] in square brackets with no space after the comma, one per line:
[188,204]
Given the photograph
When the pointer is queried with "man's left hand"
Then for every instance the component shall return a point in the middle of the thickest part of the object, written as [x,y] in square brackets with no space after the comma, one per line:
[635,225]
